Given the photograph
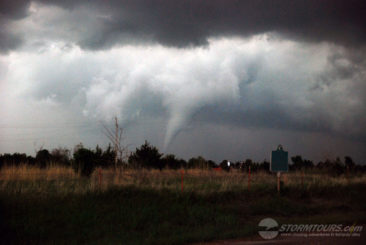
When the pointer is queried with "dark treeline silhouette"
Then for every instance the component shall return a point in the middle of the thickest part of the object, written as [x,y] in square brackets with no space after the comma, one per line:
[84,161]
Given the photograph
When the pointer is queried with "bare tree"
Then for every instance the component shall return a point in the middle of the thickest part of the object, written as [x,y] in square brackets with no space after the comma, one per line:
[116,137]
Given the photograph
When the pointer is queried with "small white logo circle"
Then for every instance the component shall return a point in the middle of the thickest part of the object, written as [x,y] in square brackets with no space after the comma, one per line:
[268,228]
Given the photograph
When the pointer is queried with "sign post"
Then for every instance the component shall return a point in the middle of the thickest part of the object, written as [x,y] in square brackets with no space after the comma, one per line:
[279,163]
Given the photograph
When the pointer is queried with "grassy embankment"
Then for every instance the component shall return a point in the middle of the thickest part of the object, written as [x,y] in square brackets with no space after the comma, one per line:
[55,205]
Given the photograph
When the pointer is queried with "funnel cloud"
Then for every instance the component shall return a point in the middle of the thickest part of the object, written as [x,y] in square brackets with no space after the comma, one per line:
[223,79]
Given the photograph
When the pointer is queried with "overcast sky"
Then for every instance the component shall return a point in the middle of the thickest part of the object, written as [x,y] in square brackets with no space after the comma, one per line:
[225,79]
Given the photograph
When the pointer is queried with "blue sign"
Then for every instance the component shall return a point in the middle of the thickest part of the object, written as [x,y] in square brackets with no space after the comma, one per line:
[279,160]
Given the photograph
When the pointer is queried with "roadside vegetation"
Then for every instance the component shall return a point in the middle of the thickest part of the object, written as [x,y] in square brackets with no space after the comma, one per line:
[85,199]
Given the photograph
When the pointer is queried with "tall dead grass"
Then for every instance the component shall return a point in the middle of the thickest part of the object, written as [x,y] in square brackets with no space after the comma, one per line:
[26,172]
[64,179]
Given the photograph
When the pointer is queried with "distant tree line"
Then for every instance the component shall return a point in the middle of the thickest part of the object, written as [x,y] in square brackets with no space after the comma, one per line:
[84,161]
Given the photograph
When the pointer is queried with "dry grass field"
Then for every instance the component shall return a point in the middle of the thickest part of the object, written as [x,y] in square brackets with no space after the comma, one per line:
[55,205]
[28,178]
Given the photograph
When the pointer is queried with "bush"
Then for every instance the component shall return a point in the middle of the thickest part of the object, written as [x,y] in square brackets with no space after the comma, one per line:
[105,158]
[198,162]
[61,156]
[146,156]
[43,158]
[170,161]
[84,161]
[224,165]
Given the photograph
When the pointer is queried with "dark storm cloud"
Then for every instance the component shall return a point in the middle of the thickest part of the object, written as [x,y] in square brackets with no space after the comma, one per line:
[8,41]
[15,9]
[300,67]
[191,22]
[182,23]
[10,11]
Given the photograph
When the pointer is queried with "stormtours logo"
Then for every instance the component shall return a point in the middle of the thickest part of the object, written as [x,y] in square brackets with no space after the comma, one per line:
[270,229]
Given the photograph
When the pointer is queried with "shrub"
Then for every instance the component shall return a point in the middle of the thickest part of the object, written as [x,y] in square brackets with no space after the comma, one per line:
[43,158]
[61,156]
[198,162]
[170,161]
[146,156]
[84,161]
